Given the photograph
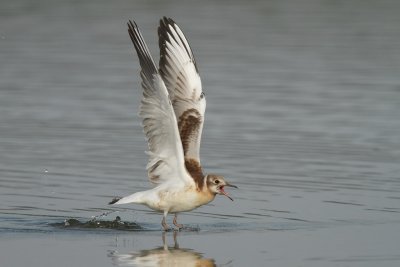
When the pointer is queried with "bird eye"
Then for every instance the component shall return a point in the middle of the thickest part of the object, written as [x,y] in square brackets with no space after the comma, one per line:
[202,95]
[216,181]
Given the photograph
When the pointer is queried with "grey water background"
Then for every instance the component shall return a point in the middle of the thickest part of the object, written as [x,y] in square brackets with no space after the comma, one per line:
[303,114]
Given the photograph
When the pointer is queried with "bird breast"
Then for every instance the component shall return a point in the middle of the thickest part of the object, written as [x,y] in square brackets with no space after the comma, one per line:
[185,199]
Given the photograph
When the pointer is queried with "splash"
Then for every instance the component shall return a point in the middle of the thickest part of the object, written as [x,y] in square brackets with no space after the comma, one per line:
[95,223]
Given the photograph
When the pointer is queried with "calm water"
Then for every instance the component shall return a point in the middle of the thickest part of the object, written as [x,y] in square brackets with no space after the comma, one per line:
[303,115]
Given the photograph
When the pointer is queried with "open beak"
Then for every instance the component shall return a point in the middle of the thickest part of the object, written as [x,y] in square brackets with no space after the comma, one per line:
[231,185]
[225,193]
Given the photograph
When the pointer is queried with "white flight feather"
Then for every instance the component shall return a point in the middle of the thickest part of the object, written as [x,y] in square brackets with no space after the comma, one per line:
[166,159]
[178,70]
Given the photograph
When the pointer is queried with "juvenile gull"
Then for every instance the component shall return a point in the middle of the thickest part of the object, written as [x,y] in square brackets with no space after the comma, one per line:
[172,110]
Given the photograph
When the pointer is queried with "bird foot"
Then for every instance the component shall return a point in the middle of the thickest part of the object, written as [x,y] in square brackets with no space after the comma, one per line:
[179,226]
[165,226]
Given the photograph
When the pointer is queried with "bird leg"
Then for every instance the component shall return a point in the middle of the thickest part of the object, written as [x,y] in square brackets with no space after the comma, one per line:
[164,223]
[176,223]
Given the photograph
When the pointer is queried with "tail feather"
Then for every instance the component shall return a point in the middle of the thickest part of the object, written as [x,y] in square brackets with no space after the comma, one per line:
[134,198]
[114,200]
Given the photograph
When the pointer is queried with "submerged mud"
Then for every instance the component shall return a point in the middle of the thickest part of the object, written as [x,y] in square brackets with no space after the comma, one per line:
[116,224]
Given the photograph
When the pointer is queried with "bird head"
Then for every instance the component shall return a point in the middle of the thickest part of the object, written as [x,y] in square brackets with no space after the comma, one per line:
[216,184]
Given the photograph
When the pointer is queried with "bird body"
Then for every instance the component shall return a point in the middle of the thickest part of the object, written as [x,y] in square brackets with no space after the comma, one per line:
[170,197]
[172,111]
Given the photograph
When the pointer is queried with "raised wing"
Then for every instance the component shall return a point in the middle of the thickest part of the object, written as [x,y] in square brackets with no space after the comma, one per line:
[166,160]
[180,74]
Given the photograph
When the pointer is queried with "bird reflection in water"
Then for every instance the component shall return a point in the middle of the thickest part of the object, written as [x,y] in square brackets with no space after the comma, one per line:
[162,256]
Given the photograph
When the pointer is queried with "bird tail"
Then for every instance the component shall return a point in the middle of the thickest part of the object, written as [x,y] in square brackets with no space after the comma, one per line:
[134,198]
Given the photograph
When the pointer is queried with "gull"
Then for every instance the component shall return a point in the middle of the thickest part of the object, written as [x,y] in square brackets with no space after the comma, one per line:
[172,111]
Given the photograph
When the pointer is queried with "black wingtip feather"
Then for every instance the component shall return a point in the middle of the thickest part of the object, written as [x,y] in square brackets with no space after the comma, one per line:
[164,35]
[146,61]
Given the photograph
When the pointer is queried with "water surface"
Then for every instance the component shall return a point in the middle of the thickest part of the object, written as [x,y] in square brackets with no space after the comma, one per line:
[303,106]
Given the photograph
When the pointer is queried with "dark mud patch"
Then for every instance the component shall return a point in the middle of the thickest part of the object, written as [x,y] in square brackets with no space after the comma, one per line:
[116,224]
